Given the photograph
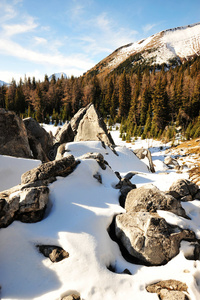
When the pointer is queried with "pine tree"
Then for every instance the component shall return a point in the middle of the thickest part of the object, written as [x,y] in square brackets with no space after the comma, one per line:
[124,95]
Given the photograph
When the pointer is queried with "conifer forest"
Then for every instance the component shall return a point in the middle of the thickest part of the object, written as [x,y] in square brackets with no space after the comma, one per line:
[148,102]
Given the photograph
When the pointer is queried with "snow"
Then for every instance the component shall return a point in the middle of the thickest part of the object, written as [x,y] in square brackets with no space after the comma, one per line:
[11,169]
[180,42]
[82,210]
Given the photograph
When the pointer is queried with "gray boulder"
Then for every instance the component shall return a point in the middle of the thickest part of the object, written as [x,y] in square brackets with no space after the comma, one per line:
[142,153]
[184,190]
[13,135]
[92,128]
[40,140]
[149,237]
[69,130]
[48,171]
[149,198]
[27,204]
[170,161]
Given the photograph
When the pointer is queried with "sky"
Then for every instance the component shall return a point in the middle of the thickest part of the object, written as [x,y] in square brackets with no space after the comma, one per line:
[71,36]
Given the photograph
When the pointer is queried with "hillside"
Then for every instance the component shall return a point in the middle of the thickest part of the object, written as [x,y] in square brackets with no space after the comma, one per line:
[170,47]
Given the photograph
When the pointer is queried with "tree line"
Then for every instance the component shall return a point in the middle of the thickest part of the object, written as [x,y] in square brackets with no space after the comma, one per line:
[144,102]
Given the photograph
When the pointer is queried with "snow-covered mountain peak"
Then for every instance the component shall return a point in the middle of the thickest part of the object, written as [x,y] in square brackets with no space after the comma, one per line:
[58,75]
[178,44]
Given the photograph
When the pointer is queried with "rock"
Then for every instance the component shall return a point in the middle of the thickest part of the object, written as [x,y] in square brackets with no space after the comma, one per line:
[169,290]
[97,156]
[197,195]
[72,297]
[172,295]
[54,253]
[69,129]
[98,177]
[26,204]
[65,135]
[125,186]
[149,198]
[46,171]
[182,188]
[149,237]
[40,140]
[93,128]
[142,153]
[169,161]
[13,136]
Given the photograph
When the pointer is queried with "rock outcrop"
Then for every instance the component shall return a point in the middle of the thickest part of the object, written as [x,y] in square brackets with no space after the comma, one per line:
[23,203]
[144,234]
[184,190]
[142,153]
[40,140]
[28,201]
[169,290]
[149,237]
[93,128]
[48,171]
[149,198]
[86,125]
[13,135]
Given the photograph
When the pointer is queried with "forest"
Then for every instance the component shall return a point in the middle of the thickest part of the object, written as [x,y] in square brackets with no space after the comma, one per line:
[148,102]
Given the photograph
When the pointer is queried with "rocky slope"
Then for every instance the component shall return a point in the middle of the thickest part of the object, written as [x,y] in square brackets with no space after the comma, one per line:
[170,46]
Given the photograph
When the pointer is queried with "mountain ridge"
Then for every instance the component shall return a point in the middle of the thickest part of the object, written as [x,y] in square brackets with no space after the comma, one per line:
[170,46]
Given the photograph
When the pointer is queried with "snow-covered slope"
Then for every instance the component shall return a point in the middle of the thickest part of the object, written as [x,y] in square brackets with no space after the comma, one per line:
[179,43]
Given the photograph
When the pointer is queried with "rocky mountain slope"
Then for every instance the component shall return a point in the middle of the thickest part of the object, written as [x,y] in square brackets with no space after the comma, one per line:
[171,46]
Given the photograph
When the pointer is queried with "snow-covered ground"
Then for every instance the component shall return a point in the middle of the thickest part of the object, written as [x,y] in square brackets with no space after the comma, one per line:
[82,210]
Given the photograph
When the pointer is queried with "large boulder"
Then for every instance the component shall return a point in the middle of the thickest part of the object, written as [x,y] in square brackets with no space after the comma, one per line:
[68,132]
[149,238]
[40,140]
[48,171]
[93,128]
[142,153]
[13,135]
[27,204]
[184,190]
[149,198]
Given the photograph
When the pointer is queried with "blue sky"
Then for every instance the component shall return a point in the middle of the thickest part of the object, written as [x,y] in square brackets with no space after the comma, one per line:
[71,36]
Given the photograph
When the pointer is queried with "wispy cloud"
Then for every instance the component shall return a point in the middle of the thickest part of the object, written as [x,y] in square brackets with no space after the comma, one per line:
[13,29]
[148,27]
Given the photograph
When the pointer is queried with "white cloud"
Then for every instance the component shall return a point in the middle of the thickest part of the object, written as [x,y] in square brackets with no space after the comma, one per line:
[13,29]
[40,40]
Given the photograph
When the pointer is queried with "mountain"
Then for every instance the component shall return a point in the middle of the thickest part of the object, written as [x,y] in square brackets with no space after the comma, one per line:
[3,83]
[170,47]
[58,75]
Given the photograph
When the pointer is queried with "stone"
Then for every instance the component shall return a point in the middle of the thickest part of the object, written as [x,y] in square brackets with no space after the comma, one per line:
[171,161]
[72,297]
[169,290]
[69,130]
[65,134]
[97,156]
[149,238]
[54,253]
[142,153]
[62,167]
[40,140]
[13,136]
[26,204]
[149,198]
[182,188]
[93,128]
